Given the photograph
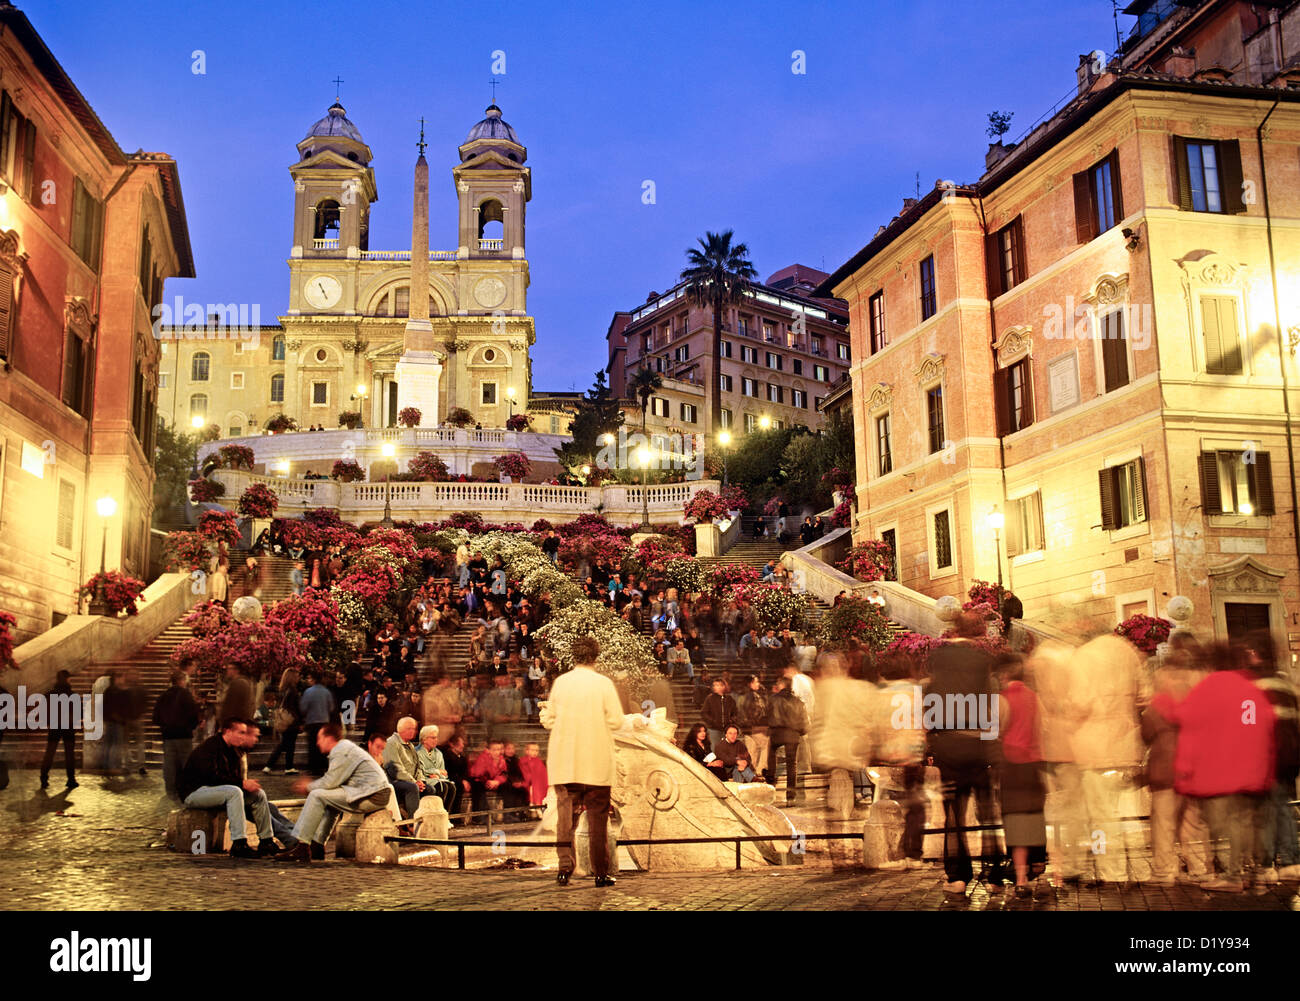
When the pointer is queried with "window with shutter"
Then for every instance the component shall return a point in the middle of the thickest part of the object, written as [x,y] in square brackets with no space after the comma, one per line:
[884,454]
[66,517]
[1130,493]
[6,311]
[1000,398]
[1114,350]
[1262,484]
[1229,152]
[29,162]
[1109,500]
[929,299]
[934,412]
[1222,335]
[1211,496]
[992,273]
[942,541]
[1084,217]
[1182,171]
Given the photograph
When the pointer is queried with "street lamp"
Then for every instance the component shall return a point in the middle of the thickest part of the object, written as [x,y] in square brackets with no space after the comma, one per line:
[360,396]
[510,398]
[389,451]
[196,422]
[995,521]
[765,422]
[643,459]
[105,507]
[724,439]
[282,467]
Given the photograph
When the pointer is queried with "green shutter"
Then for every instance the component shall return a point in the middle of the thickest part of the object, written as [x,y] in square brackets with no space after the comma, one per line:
[1084,216]
[1183,172]
[1229,151]
[1109,498]
[1262,482]
[1211,498]
[1116,186]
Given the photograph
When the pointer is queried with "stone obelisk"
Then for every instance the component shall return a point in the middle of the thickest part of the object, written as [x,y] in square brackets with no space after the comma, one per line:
[419,368]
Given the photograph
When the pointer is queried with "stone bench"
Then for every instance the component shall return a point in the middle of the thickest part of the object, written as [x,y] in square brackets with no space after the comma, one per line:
[202,831]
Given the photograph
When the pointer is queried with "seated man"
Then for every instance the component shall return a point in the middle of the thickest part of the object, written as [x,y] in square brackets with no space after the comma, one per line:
[730,749]
[431,769]
[214,777]
[488,773]
[280,826]
[401,766]
[354,781]
[743,772]
[679,660]
[749,649]
[769,572]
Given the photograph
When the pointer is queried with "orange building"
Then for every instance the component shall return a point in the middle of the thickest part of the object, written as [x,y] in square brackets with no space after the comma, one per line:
[1095,343]
[88,234]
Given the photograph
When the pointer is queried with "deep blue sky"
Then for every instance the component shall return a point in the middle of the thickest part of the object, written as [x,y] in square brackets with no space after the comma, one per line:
[697,96]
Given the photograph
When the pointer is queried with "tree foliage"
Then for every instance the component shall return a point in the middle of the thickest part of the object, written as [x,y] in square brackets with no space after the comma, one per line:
[598,413]
[174,453]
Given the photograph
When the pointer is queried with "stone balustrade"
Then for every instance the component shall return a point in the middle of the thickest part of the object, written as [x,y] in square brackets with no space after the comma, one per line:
[497,502]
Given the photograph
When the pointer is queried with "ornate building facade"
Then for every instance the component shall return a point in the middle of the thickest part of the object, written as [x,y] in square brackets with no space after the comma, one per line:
[338,345]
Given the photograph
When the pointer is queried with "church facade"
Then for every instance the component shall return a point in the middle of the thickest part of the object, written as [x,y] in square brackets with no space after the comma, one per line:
[338,345]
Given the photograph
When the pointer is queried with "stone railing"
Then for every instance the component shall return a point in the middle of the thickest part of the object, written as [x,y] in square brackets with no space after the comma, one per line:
[499,502]
[460,448]
[80,640]
[404,255]
[715,538]
[325,244]
[491,244]
[905,606]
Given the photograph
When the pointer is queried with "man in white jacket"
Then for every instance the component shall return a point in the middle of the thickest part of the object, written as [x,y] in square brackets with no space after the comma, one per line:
[582,714]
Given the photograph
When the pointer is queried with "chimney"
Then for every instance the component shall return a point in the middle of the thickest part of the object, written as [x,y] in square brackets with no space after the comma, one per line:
[908,203]
[1181,62]
[996,154]
[1090,68]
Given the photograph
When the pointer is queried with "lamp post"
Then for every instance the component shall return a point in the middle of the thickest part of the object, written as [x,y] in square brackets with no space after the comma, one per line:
[510,398]
[389,451]
[360,396]
[724,439]
[282,467]
[995,521]
[643,459]
[105,507]
[196,422]
[765,422]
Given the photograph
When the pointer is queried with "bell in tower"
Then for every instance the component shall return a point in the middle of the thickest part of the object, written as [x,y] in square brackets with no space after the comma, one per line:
[334,186]
[493,186]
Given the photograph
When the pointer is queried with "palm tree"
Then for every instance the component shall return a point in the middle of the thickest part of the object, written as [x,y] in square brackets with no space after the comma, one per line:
[718,275]
[643,385]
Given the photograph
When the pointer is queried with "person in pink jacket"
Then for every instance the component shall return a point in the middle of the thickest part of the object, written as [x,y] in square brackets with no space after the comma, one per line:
[1225,759]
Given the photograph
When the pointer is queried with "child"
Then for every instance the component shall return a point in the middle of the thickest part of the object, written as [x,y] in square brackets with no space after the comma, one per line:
[743,773]
[534,770]
[265,715]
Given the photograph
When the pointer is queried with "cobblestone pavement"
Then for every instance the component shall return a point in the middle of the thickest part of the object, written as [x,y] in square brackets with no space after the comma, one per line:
[97,848]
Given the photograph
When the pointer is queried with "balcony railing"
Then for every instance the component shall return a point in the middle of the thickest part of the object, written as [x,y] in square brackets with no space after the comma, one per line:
[491,246]
[325,244]
[405,255]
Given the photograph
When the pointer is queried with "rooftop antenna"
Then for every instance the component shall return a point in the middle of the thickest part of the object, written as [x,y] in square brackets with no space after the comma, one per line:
[421,144]
[1114,10]
[338,82]
[918,184]
[493,84]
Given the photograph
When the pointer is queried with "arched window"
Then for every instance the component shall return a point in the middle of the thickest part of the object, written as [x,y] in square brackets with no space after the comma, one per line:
[277,348]
[277,389]
[327,220]
[199,367]
[491,220]
[199,406]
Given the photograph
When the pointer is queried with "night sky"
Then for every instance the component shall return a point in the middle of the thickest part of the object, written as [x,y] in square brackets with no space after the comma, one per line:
[697,97]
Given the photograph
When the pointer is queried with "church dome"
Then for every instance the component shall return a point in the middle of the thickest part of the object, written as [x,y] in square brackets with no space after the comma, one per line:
[493,126]
[335,123]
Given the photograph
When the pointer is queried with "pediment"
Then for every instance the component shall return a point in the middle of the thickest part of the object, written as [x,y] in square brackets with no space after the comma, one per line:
[1246,574]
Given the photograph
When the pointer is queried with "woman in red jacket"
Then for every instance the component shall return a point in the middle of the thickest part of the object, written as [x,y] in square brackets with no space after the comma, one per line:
[1225,758]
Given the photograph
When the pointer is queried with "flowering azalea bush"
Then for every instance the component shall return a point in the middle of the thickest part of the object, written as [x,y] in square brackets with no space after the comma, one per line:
[427,466]
[296,533]
[513,464]
[258,501]
[837,479]
[7,623]
[409,417]
[983,593]
[208,618]
[314,614]
[729,580]
[186,551]
[869,560]
[235,457]
[281,422]
[773,507]
[624,651]
[605,549]
[120,591]
[707,506]
[519,422]
[322,517]
[219,526]
[777,608]
[210,432]
[842,516]
[651,556]
[916,647]
[855,619]
[684,573]
[542,525]
[470,521]
[259,649]
[1146,632]
[204,491]
[347,471]
[459,417]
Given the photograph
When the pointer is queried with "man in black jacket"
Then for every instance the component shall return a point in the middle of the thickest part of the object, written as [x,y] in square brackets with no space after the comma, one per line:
[214,777]
[718,711]
[61,692]
[751,708]
[176,714]
[788,720]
